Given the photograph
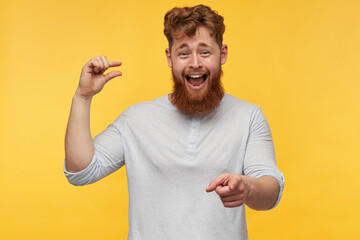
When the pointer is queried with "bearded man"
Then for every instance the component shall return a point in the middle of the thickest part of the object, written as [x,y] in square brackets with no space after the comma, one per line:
[194,157]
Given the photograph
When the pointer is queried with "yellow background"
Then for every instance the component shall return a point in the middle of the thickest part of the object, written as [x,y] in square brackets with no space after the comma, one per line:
[298,60]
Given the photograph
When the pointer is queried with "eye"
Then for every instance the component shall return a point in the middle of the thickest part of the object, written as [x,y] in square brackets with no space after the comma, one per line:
[183,54]
[205,53]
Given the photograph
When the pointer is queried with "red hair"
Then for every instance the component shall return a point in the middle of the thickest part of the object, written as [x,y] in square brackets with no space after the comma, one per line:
[186,20]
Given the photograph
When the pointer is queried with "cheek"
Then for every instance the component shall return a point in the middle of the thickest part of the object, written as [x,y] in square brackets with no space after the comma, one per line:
[215,63]
[214,67]
[179,69]
[178,72]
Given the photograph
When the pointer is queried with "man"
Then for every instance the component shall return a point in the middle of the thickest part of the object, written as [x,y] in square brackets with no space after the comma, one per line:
[194,157]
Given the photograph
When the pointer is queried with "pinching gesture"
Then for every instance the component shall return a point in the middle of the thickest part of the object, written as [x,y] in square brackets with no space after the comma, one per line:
[92,79]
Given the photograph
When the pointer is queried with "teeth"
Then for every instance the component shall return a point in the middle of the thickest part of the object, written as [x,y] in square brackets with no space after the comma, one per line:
[195,76]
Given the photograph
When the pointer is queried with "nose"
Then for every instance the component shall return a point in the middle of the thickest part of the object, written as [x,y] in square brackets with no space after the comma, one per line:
[195,62]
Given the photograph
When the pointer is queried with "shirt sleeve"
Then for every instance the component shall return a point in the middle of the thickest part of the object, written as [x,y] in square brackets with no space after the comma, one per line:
[260,155]
[108,156]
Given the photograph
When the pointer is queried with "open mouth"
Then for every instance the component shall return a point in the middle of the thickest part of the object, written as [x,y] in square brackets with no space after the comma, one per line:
[196,81]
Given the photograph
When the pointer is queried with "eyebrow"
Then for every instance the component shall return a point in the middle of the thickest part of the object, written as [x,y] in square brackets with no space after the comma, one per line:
[184,45]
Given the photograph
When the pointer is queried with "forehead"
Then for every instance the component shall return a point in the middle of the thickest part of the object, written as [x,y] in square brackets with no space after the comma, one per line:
[202,37]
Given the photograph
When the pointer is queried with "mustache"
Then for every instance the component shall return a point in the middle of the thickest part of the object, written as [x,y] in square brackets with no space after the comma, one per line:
[203,103]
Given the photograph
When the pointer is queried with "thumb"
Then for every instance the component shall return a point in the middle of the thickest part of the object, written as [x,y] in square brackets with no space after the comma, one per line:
[233,182]
[112,75]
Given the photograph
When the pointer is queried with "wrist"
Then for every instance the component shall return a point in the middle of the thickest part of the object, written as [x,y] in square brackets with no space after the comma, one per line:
[78,96]
[249,183]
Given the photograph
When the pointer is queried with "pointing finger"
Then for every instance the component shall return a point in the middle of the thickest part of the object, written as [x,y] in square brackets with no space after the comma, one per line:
[114,64]
[213,184]
[219,180]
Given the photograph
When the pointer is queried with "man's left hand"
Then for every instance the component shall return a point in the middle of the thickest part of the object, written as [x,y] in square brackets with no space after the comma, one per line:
[232,189]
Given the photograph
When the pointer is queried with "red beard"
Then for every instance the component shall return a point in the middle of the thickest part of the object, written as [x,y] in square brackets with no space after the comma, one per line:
[197,104]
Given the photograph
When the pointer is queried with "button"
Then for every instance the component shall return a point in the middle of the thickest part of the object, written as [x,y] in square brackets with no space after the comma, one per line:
[193,130]
[190,146]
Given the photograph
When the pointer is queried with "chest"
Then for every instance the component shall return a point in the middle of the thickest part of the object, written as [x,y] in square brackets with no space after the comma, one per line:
[174,145]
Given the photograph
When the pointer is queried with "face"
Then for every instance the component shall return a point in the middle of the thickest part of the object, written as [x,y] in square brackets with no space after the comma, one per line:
[196,67]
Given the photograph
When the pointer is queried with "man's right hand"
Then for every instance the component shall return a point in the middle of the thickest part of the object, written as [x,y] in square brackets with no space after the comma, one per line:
[92,78]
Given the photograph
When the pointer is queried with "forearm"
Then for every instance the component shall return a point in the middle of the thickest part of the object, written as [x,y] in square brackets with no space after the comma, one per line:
[263,192]
[79,147]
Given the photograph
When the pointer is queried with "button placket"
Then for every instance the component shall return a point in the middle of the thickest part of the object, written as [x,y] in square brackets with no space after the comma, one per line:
[192,138]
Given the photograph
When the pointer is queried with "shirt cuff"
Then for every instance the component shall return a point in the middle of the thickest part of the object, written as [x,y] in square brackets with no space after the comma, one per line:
[82,177]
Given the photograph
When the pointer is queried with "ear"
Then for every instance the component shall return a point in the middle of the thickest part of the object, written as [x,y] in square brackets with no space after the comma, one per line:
[168,57]
[223,54]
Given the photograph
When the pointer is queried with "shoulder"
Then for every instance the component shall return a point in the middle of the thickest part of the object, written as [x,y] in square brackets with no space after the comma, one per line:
[242,113]
[146,110]
[241,109]
[154,106]
[233,111]
[234,104]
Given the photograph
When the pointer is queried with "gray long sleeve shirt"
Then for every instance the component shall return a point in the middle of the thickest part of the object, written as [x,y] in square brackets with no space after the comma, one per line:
[171,158]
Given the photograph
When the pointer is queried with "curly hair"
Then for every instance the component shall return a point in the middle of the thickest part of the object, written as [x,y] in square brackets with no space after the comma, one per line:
[186,20]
